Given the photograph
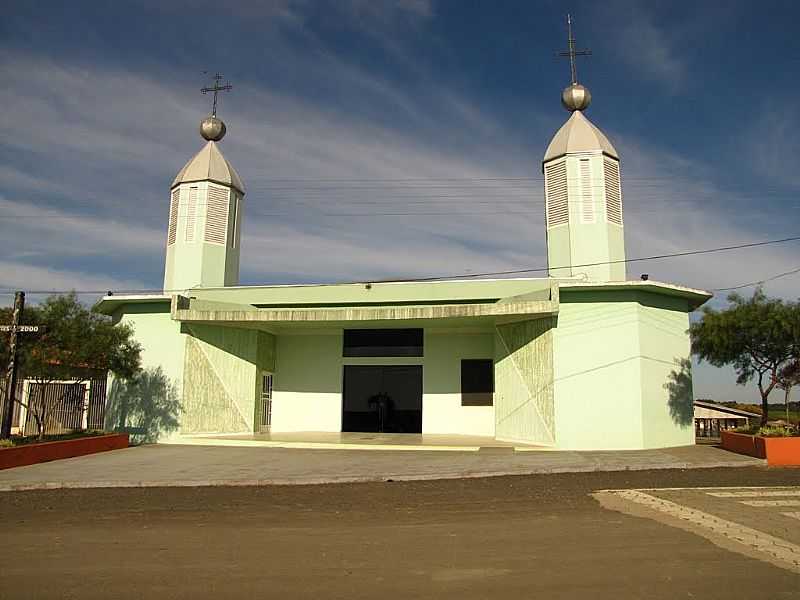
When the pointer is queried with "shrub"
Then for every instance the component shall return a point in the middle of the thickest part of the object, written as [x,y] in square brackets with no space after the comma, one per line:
[775,431]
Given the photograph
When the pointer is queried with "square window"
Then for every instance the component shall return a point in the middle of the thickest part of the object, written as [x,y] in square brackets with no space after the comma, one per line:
[477,382]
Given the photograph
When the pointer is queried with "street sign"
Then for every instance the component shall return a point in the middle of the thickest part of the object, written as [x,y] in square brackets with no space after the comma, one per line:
[14,329]
[23,328]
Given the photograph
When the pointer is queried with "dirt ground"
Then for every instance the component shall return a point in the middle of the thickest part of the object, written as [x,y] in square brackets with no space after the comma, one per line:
[538,536]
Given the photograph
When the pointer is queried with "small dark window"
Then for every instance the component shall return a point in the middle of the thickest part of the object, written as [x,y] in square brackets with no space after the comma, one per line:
[382,342]
[477,382]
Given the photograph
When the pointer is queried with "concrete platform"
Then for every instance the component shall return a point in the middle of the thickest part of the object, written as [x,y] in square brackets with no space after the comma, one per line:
[312,440]
[164,465]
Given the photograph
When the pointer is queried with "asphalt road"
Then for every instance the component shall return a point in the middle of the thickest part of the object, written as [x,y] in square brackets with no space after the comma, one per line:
[538,536]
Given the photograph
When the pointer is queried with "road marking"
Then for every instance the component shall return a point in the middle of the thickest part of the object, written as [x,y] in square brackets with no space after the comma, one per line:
[777,548]
[770,502]
[794,515]
[754,494]
[704,488]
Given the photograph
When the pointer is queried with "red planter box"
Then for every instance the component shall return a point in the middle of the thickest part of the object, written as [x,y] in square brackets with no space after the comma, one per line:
[779,451]
[30,454]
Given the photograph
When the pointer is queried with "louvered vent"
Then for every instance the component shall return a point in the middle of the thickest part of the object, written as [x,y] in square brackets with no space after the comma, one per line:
[613,191]
[217,219]
[172,230]
[234,218]
[555,183]
[191,214]
[587,201]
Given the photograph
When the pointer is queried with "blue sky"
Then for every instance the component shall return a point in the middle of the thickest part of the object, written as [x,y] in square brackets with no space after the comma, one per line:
[395,138]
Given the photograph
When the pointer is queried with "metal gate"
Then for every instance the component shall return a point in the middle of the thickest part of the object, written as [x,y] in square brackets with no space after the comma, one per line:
[266,402]
[67,402]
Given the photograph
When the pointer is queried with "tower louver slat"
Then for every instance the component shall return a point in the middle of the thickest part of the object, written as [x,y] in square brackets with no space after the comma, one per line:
[587,201]
[613,191]
[217,219]
[172,230]
[191,214]
[556,192]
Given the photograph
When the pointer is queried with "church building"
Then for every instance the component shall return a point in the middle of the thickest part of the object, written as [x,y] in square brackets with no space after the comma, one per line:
[583,359]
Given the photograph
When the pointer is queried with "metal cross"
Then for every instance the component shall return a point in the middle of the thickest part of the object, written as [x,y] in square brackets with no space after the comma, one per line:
[216,88]
[571,52]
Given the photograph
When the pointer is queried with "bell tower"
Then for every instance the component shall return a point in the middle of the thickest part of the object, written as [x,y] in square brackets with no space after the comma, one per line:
[205,214]
[583,192]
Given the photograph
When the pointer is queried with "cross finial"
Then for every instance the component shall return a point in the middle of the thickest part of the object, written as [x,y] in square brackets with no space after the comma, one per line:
[216,88]
[572,53]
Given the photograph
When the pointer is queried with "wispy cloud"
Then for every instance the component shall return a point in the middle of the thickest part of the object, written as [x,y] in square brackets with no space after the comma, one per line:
[15,275]
[772,144]
[638,42]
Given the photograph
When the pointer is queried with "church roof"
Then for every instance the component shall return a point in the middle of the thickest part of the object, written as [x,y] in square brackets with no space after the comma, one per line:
[578,134]
[209,165]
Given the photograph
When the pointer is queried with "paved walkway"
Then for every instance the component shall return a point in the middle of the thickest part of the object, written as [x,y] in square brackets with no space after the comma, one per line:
[354,441]
[178,465]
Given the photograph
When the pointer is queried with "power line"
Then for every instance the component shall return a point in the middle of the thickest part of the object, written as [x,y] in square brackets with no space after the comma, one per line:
[759,282]
[462,275]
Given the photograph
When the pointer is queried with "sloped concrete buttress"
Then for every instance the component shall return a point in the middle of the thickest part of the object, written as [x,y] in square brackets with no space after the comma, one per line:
[524,409]
[220,380]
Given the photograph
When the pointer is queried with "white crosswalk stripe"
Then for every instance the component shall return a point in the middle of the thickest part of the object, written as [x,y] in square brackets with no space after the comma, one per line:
[754,493]
[770,502]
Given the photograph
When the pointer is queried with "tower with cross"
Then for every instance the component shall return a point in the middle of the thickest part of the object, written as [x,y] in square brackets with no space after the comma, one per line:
[205,213]
[583,191]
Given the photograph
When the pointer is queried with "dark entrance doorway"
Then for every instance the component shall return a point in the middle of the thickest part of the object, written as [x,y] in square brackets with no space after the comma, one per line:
[382,398]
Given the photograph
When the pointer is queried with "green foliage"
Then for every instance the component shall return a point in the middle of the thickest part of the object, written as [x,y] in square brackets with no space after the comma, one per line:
[31,439]
[76,344]
[775,431]
[750,429]
[79,339]
[757,337]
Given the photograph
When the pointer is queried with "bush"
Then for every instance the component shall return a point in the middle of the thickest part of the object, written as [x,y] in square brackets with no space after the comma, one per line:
[748,429]
[775,431]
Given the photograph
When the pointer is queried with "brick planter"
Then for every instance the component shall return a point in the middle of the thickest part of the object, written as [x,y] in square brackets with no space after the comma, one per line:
[779,451]
[30,454]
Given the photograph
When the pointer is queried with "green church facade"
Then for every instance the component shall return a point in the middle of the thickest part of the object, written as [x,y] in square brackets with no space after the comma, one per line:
[581,359]
[575,365]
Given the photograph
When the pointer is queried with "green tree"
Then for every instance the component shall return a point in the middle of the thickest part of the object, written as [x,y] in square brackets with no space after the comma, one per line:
[77,342]
[758,337]
[788,377]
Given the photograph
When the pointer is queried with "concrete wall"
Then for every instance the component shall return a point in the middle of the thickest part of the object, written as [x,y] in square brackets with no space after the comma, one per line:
[597,380]
[616,355]
[307,386]
[441,404]
[150,411]
[667,397]
[308,382]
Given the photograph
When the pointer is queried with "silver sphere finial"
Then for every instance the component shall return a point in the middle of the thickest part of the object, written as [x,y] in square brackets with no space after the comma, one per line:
[575,97]
[212,129]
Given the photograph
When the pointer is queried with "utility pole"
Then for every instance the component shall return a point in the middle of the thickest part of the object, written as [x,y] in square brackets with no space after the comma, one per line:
[11,372]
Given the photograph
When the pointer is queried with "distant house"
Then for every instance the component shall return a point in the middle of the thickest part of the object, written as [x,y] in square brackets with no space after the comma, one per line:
[710,418]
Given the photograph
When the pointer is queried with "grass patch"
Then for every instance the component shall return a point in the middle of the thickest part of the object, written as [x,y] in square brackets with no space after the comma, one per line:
[780,414]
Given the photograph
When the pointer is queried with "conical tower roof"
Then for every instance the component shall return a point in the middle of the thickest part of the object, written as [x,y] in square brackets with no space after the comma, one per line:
[578,134]
[209,165]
